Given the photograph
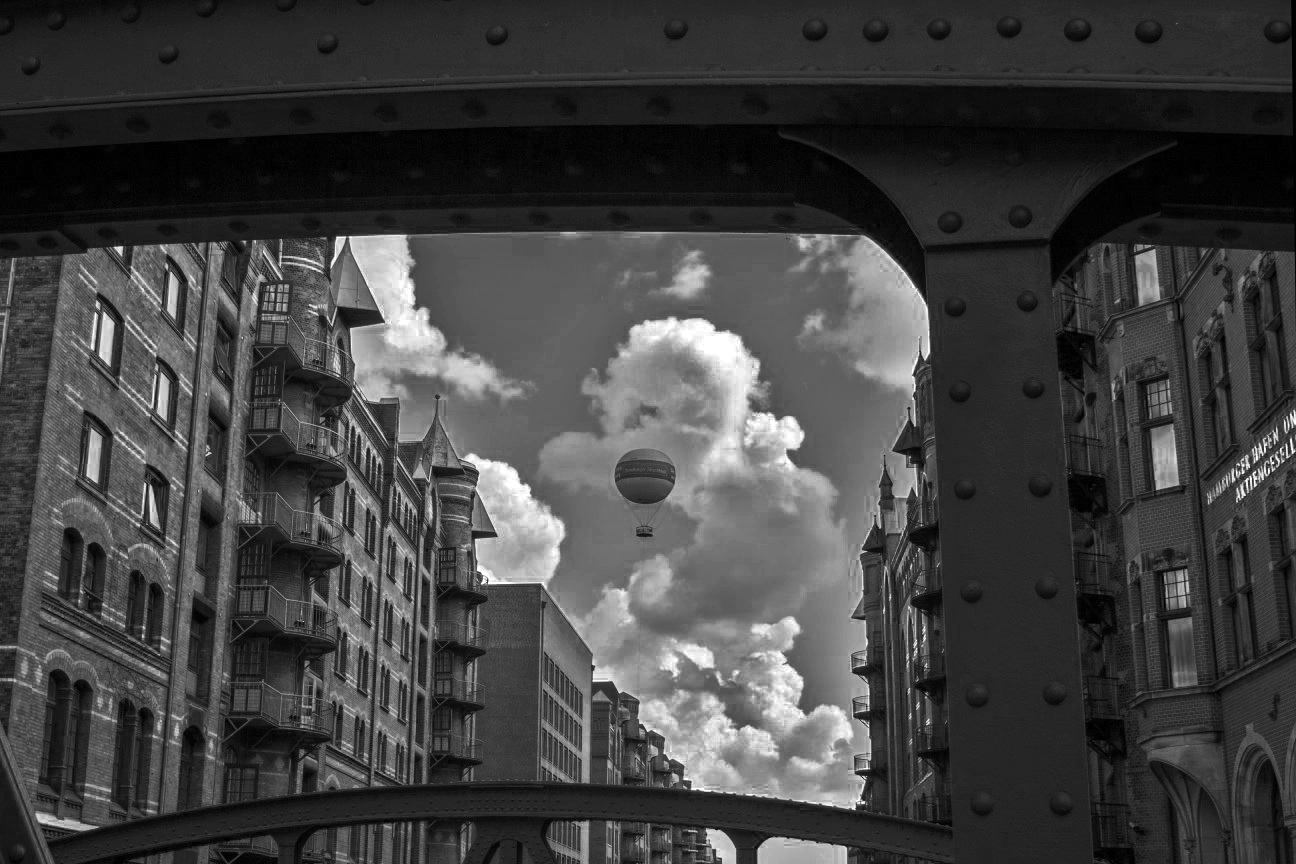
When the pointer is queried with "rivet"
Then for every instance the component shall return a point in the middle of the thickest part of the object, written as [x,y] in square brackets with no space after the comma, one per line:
[167,230]
[130,13]
[1177,114]
[218,120]
[108,233]
[1149,230]
[137,124]
[1033,388]
[754,106]
[1055,693]
[971,591]
[30,65]
[946,155]
[1008,27]
[56,19]
[949,222]
[960,391]
[205,8]
[1219,73]
[310,223]
[675,29]
[6,25]
[1278,32]
[785,219]
[9,245]
[1228,235]
[700,217]
[1046,587]
[814,29]
[473,110]
[1147,31]
[619,219]
[301,116]
[460,219]
[964,489]
[1077,30]
[942,68]
[239,227]
[564,107]
[955,306]
[876,30]
[168,53]
[60,131]
[659,106]
[285,5]
[1266,116]
[385,220]
[1019,216]
[47,242]
[1027,301]
[1079,70]
[1040,485]
[327,43]
[386,113]
[938,28]
[982,803]
[977,695]
[496,35]
[1061,803]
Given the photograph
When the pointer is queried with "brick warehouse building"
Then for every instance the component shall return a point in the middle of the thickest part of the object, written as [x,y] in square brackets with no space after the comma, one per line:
[1175,367]
[289,606]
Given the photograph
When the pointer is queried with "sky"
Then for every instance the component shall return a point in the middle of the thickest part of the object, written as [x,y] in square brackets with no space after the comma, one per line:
[775,370]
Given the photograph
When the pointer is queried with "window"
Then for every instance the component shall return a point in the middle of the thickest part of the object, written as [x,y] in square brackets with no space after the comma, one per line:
[153,616]
[1159,435]
[198,677]
[362,672]
[339,718]
[123,254]
[130,756]
[240,783]
[1282,523]
[192,765]
[174,290]
[1235,565]
[94,578]
[384,688]
[153,509]
[1218,400]
[366,601]
[70,565]
[136,591]
[267,382]
[1177,629]
[344,584]
[217,435]
[389,621]
[1147,279]
[105,343]
[207,556]
[1264,323]
[234,266]
[96,453]
[225,354]
[164,394]
[342,661]
[276,298]
[249,659]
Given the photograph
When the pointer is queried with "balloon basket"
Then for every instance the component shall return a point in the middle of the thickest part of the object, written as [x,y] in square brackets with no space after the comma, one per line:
[644,532]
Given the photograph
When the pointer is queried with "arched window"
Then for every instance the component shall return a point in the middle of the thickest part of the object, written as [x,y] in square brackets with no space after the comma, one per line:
[58,695]
[153,506]
[70,565]
[338,719]
[343,659]
[1269,840]
[154,615]
[95,575]
[192,765]
[96,453]
[77,749]
[143,759]
[135,593]
[105,342]
[123,755]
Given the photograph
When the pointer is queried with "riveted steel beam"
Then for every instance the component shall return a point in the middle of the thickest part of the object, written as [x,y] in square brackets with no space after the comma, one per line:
[22,841]
[541,802]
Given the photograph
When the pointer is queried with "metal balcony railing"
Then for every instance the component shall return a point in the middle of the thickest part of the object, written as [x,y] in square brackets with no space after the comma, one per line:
[632,851]
[930,666]
[932,740]
[660,764]
[1093,574]
[462,635]
[462,579]
[1084,455]
[317,529]
[273,417]
[869,763]
[293,617]
[632,731]
[869,706]
[328,358]
[871,660]
[268,510]
[1072,313]
[921,522]
[276,331]
[458,690]
[258,702]
[634,827]
[1102,699]
[934,807]
[632,768]
[926,593]
[455,746]
[1110,826]
[660,842]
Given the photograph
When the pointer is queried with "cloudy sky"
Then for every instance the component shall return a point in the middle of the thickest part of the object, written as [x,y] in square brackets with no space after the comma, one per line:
[774,370]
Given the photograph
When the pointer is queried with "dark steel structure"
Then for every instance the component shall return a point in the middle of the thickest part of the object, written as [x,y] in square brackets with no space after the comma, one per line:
[983,146]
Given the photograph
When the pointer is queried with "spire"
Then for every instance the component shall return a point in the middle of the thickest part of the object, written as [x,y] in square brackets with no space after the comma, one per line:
[876,541]
[909,442]
[437,442]
[885,483]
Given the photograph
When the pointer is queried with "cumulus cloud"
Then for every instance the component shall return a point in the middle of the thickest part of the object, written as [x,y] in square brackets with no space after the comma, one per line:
[691,277]
[527,549]
[878,330]
[701,633]
[408,345]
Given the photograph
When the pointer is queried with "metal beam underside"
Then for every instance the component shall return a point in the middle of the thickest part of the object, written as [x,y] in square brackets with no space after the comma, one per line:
[545,801]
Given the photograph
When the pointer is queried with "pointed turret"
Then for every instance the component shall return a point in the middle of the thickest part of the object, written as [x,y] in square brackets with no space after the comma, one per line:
[355,302]
[876,540]
[909,442]
[482,527]
[922,361]
[437,442]
[884,485]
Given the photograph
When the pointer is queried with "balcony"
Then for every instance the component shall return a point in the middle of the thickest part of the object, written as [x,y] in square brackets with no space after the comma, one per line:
[469,695]
[632,852]
[921,526]
[870,661]
[1095,591]
[1104,726]
[1086,475]
[929,670]
[660,764]
[634,828]
[932,742]
[279,339]
[468,583]
[1074,324]
[632,768]
[260,610]
[274,431]
[318,536]
[257,705]
[660,842]
[1110,827]
[934,807]
[926,594]
[870,707]
[632,731]
[870,765]
[464,638]
[454,747]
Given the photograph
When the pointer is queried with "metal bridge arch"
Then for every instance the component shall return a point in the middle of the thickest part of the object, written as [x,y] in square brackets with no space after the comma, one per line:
[293,818]
[983,144]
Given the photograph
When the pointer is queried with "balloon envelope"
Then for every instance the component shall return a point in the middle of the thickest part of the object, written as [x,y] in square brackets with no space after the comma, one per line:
[645,476]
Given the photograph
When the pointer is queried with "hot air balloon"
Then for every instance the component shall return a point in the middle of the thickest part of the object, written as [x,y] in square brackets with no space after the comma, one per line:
[644,478]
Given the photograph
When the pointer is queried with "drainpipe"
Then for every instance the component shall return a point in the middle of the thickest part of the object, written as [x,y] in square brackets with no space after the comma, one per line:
[185,509]
[8,305]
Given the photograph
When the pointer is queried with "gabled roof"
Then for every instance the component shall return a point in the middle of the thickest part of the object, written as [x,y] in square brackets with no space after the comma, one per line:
[908,442]
[482,527]
[876,541]
[355,302]
[858,614]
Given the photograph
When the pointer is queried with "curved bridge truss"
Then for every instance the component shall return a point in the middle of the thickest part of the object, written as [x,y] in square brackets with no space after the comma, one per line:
[507,811]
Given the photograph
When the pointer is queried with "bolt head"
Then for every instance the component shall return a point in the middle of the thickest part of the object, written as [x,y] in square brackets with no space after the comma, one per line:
[955,306]
[982,803]
[675,29]
[1061,803]
[977,695]
[960,391]
[496,35]
[876,30]
[1046,587]
[964,489]
[971,591]
[1027,301]
[1008,27]
[1040,485]
[1019,216]
[1033,388]
[949,222]
[327,43]
[1077,29]
[1278,32]
[938,28]
[1147,31]
[1055,693]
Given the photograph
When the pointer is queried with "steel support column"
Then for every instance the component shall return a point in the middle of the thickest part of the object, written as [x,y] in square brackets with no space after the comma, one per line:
[493,834]
[21,840]
[746,845]
[985,208]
